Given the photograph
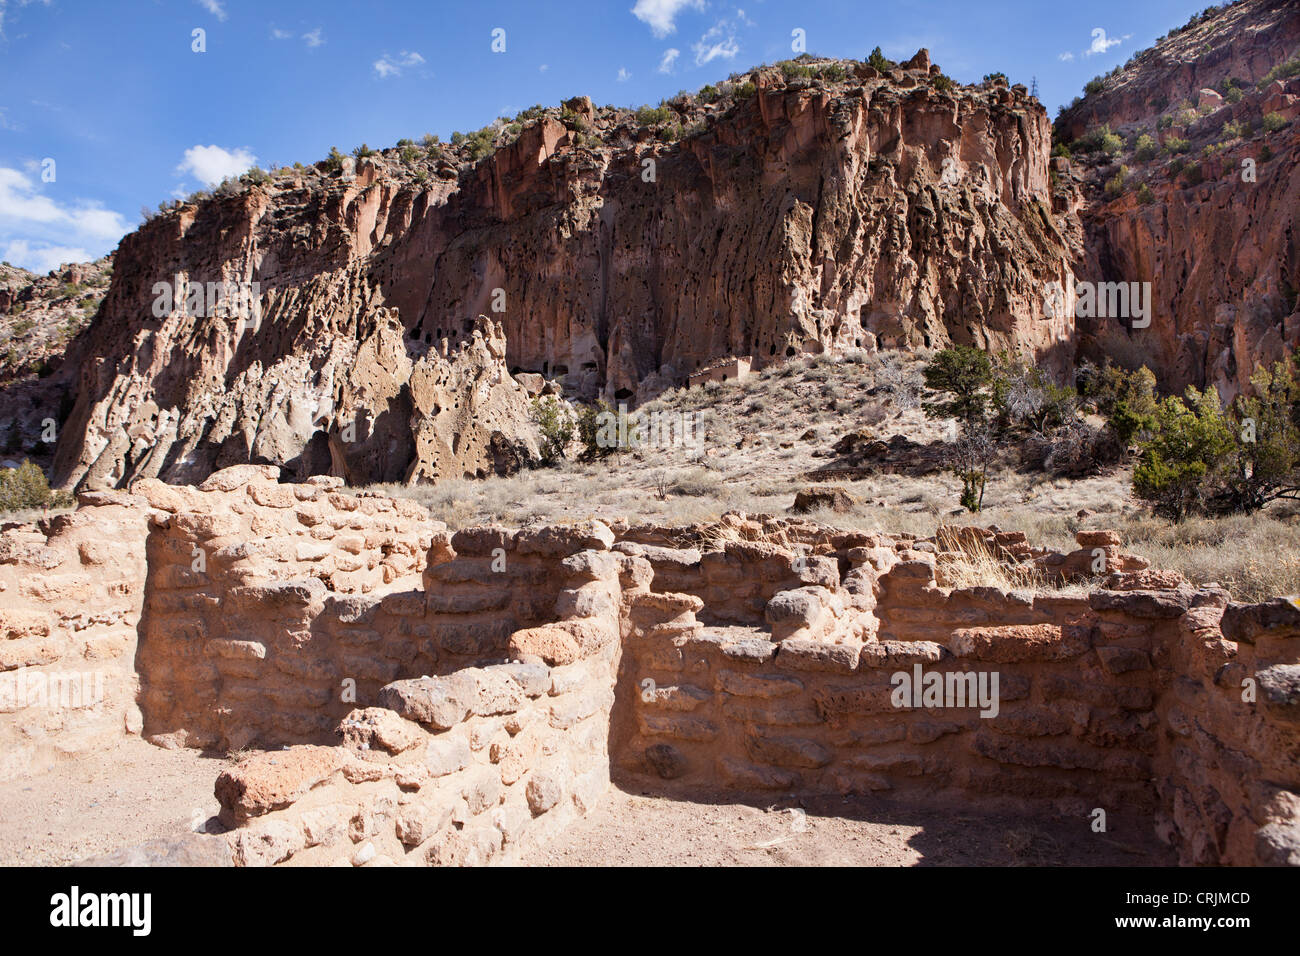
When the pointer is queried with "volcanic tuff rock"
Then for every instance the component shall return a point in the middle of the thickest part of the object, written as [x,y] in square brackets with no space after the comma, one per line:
[790,219]
[1218,246]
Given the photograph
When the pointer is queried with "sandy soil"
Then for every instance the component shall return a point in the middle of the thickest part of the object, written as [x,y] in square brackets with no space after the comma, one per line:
[104,801]
[629,829]
[136,792]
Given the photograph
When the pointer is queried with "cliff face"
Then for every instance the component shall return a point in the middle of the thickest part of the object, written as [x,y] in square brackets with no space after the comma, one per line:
[1206,216]
[794,216]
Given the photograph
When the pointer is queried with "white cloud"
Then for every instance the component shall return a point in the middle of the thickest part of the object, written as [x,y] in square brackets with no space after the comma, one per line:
[670,57]
[387,65]
[718,41]
[1066,57]
[623,75]
[43,259]
[211,164]
[1100,42]
[215,8]
[543,68]
[660,14]
[314,38]
[20,3]
[281,34]
[55,232]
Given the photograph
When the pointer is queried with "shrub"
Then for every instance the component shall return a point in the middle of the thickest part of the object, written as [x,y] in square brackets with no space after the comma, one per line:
[409,154]
[942,83]
[991,78]
[1186,117]
[832,72]
[334,161]
[1193,174]
[745,90]
[708,93]
[1203,459]
[1273,122]
[1234,130]
[964,377]
[1060,149]
[429,140]
[594,430]
[257,176]
[653,116]
[880,61]
[1146,148]
[1164,122]
[1145,196]
[1127,400]
[27,487]
[405,142]
[1115,185]
[1233,95]
[555,427]
[1175,145]
[1095,85]
[362,151]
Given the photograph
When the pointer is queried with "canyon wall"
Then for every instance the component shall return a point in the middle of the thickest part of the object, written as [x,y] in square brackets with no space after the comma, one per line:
[800,217]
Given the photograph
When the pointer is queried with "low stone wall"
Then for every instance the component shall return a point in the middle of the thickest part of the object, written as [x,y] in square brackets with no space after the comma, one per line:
[457,698]
[70,599]
[473,768]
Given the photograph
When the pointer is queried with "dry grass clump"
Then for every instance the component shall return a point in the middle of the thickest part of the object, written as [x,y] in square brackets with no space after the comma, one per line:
[1256,557]
[975,565]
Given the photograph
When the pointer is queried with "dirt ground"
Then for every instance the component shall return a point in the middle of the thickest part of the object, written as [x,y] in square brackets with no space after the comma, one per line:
[631,829]
[136,792]
[99,802]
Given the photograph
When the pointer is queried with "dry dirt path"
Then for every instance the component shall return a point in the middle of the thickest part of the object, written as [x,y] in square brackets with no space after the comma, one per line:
[99,802]
[629,829]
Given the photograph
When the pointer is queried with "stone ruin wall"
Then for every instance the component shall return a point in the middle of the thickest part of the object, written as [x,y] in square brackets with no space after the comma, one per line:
[70,599]
[446,698]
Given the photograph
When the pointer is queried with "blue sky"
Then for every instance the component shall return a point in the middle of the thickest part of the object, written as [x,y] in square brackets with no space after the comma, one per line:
[113,92]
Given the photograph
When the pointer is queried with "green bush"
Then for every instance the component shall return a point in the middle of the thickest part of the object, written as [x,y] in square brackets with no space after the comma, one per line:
[653,116]
[880,61]
[334,161]
[1203,459]
[1095,85]
[1145,196]
[942,83]
[1146,148]
[555,428]
[709,93]
[1165,122]
[1175,145]
[1273,122]
[594,430]
[362,151]
[745,90]
[27,487]
[430,140]
[1115,185]
[991,78]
